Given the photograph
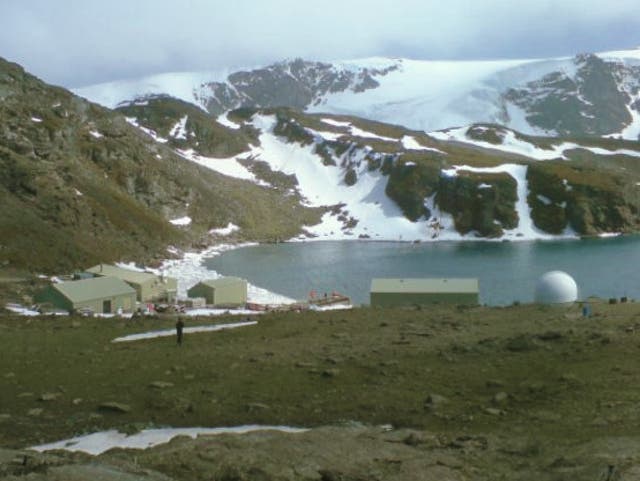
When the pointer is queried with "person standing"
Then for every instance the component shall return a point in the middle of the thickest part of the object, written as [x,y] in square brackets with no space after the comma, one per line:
[179,328]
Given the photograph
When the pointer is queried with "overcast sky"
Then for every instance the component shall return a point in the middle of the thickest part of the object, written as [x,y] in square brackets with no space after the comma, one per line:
[79,42]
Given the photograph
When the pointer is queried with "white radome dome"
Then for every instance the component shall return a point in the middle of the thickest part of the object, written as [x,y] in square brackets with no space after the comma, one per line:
[556,287]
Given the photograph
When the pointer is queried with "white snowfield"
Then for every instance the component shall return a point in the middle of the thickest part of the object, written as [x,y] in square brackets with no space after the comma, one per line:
[100,442]
[420,94]
[187,330]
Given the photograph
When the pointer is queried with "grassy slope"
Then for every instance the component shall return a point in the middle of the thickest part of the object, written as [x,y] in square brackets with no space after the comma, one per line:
[567,378]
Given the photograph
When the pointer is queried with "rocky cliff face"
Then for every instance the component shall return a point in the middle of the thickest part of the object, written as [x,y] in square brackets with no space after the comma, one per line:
[296,84]
[596,99]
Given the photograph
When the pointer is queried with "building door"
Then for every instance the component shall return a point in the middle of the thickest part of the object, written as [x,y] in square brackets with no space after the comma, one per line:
[106,307]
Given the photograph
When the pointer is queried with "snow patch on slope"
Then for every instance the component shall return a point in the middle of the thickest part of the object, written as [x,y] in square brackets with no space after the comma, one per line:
[356,131]
[151,133]
[224,120]
[410,143]
[632,131]
[226,166]
[224,231]
[510,144]
[513,145]
[179,131]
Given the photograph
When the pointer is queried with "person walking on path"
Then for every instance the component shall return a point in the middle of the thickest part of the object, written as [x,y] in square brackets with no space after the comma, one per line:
[179,328]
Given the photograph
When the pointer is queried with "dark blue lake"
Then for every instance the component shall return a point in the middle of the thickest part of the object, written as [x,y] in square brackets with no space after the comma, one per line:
[507,270]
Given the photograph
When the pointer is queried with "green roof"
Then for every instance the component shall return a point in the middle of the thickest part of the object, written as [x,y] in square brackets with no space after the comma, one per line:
[134,277]
[223,281]
[435,286]
[96,288]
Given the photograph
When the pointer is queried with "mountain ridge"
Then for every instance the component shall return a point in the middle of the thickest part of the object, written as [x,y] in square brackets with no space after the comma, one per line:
[424,95]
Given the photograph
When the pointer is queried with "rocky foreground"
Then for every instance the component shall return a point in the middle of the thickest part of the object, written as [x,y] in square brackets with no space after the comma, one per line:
[524,392]
[347,453]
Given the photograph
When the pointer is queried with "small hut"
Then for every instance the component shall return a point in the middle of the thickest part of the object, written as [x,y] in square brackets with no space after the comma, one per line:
[225,291]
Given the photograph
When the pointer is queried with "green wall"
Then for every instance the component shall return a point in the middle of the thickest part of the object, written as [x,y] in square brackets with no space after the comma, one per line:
[226,294]
[126,302]
[393,299]
[54,297]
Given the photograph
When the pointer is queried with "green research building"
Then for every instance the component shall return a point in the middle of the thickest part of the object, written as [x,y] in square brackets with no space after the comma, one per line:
[100,295]
[412,292]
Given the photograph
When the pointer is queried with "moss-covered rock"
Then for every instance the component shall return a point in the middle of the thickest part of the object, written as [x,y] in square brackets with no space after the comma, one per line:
[484,203]
[582,197]
[351,177]
[410,184]
[291,130]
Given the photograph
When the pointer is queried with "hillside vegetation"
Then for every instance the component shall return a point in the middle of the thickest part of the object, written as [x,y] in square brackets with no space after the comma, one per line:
[80,185]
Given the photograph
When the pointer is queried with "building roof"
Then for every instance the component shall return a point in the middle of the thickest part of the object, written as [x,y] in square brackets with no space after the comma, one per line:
[134,277]
[223,281]
[432,286]
[96,288]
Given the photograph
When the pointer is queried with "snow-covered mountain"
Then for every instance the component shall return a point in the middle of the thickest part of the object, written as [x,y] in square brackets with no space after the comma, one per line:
[592,95]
